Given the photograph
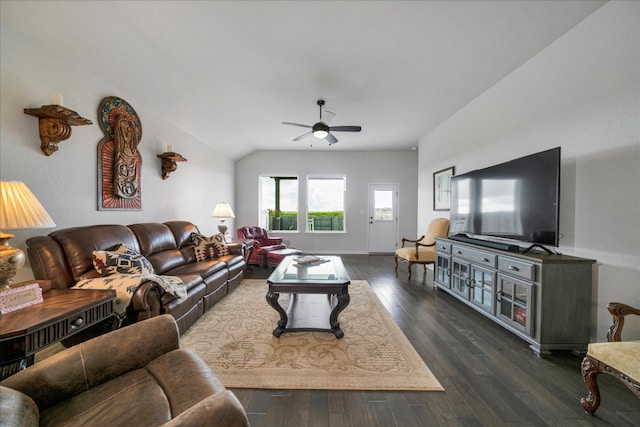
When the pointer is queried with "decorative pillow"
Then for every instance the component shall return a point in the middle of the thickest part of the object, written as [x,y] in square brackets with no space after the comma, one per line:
[123,260]
[208,247]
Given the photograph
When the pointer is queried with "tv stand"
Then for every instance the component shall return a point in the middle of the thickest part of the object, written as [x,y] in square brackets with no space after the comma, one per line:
[535,245]
[544,299]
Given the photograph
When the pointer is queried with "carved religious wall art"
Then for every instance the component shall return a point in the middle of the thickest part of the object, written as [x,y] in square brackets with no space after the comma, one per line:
[119,161]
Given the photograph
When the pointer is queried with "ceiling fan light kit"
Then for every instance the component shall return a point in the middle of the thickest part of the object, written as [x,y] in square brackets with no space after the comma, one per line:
[321,130]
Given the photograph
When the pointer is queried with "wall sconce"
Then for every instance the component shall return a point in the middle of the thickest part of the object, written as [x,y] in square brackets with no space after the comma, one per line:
[169,161]
[55,123]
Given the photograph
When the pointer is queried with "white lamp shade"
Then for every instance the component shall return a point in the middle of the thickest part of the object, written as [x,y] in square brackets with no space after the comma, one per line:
[223,210]
[20,209]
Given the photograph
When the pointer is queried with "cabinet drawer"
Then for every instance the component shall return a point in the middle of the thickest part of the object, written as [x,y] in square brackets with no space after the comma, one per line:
[480,257]
[517,268]
[443,247]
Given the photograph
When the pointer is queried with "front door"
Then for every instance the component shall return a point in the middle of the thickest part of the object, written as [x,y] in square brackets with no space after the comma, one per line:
[383,218]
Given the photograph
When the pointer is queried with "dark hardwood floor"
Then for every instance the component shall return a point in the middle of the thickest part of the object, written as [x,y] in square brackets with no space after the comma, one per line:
[490,377]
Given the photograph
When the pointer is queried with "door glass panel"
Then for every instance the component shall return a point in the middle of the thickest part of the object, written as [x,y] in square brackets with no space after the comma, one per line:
[505,308]
[488,289]
[383,205]
[477,289]
[521,294]
[520,315]
[506,290]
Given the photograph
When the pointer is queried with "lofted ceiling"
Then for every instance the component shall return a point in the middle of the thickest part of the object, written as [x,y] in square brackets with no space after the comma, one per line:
[229,73]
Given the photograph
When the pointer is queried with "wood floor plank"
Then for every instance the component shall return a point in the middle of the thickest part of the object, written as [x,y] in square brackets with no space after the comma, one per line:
[491,377]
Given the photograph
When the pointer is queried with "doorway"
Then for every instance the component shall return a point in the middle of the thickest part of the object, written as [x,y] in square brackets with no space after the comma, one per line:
[383,218]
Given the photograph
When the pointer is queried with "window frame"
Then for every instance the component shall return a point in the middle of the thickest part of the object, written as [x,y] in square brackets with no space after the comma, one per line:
[293,176]
[319,177]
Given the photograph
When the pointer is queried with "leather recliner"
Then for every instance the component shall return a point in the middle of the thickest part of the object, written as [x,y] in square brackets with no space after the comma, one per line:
[135,376]
[262,243]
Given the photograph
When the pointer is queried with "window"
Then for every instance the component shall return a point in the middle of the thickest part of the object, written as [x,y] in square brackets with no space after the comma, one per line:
[325,204]
[279,203]
[383,205]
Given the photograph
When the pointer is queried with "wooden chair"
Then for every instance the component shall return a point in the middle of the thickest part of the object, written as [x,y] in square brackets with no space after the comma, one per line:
[618,358]
[423,250]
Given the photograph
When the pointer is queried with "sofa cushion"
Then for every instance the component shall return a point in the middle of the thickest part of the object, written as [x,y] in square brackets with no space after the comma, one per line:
[78,243]
[208,247]
[134,398]
[621,355]
[122,260]
[427,254]
[202,268]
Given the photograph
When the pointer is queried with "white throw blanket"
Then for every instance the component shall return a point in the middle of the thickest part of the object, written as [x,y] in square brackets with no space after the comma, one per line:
[125,286]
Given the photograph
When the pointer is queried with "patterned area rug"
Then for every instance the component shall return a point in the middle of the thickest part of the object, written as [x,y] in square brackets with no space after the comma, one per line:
[235,339]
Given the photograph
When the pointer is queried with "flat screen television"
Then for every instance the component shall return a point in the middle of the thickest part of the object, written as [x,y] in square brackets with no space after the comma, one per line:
[516,200]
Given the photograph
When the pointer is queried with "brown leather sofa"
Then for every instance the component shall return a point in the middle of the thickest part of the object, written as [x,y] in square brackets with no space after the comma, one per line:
[135,376]
[262,243]
[65,257]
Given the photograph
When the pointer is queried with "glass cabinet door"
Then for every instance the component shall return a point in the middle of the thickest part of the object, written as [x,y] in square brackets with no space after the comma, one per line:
[443,270]
[460,277]
[483,288]
[515,301]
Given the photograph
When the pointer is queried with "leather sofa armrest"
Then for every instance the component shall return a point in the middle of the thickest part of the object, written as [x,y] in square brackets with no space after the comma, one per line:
[220,409]
[235,248]
[17,409]
[146,301]
[96,361]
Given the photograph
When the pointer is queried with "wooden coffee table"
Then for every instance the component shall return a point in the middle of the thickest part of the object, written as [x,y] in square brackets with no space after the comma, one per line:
[64,313]
[319,292]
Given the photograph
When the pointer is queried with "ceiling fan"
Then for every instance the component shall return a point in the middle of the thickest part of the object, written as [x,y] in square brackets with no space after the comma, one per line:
[322,130]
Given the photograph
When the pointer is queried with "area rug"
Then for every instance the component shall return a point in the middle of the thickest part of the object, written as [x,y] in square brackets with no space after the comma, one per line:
[235,339]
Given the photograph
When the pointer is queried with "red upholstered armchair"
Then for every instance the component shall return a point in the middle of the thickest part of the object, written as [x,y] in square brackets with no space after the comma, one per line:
[262,243]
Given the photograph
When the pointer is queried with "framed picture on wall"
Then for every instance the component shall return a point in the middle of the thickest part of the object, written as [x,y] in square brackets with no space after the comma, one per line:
[442,188]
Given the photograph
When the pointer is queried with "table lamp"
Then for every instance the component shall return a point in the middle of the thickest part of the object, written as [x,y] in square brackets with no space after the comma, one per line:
[222,211]
[19,209]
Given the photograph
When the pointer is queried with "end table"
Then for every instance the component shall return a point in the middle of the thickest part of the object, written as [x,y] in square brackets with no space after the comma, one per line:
[64,313]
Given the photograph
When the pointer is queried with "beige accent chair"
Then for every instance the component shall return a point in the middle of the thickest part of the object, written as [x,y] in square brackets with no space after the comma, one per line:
[423,249]
[135,376]
[618,358]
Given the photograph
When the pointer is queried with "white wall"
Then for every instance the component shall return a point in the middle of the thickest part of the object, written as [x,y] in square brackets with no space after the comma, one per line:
[66,182]
[581,93]
[360,169]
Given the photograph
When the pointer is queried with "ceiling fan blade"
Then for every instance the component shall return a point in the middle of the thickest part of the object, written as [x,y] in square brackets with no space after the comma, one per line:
[301,136]
[332,139]
[345,128]
[327,116]
[296,124]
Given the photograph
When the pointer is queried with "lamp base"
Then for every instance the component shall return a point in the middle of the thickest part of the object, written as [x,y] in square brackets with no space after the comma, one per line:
[11,260]
[222,227]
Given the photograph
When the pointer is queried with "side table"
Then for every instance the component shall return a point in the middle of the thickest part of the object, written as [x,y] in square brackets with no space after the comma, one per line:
[64,313]
[247,249]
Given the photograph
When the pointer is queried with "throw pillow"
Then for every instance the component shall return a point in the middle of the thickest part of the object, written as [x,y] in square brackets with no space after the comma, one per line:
[122,260]
[208,247]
